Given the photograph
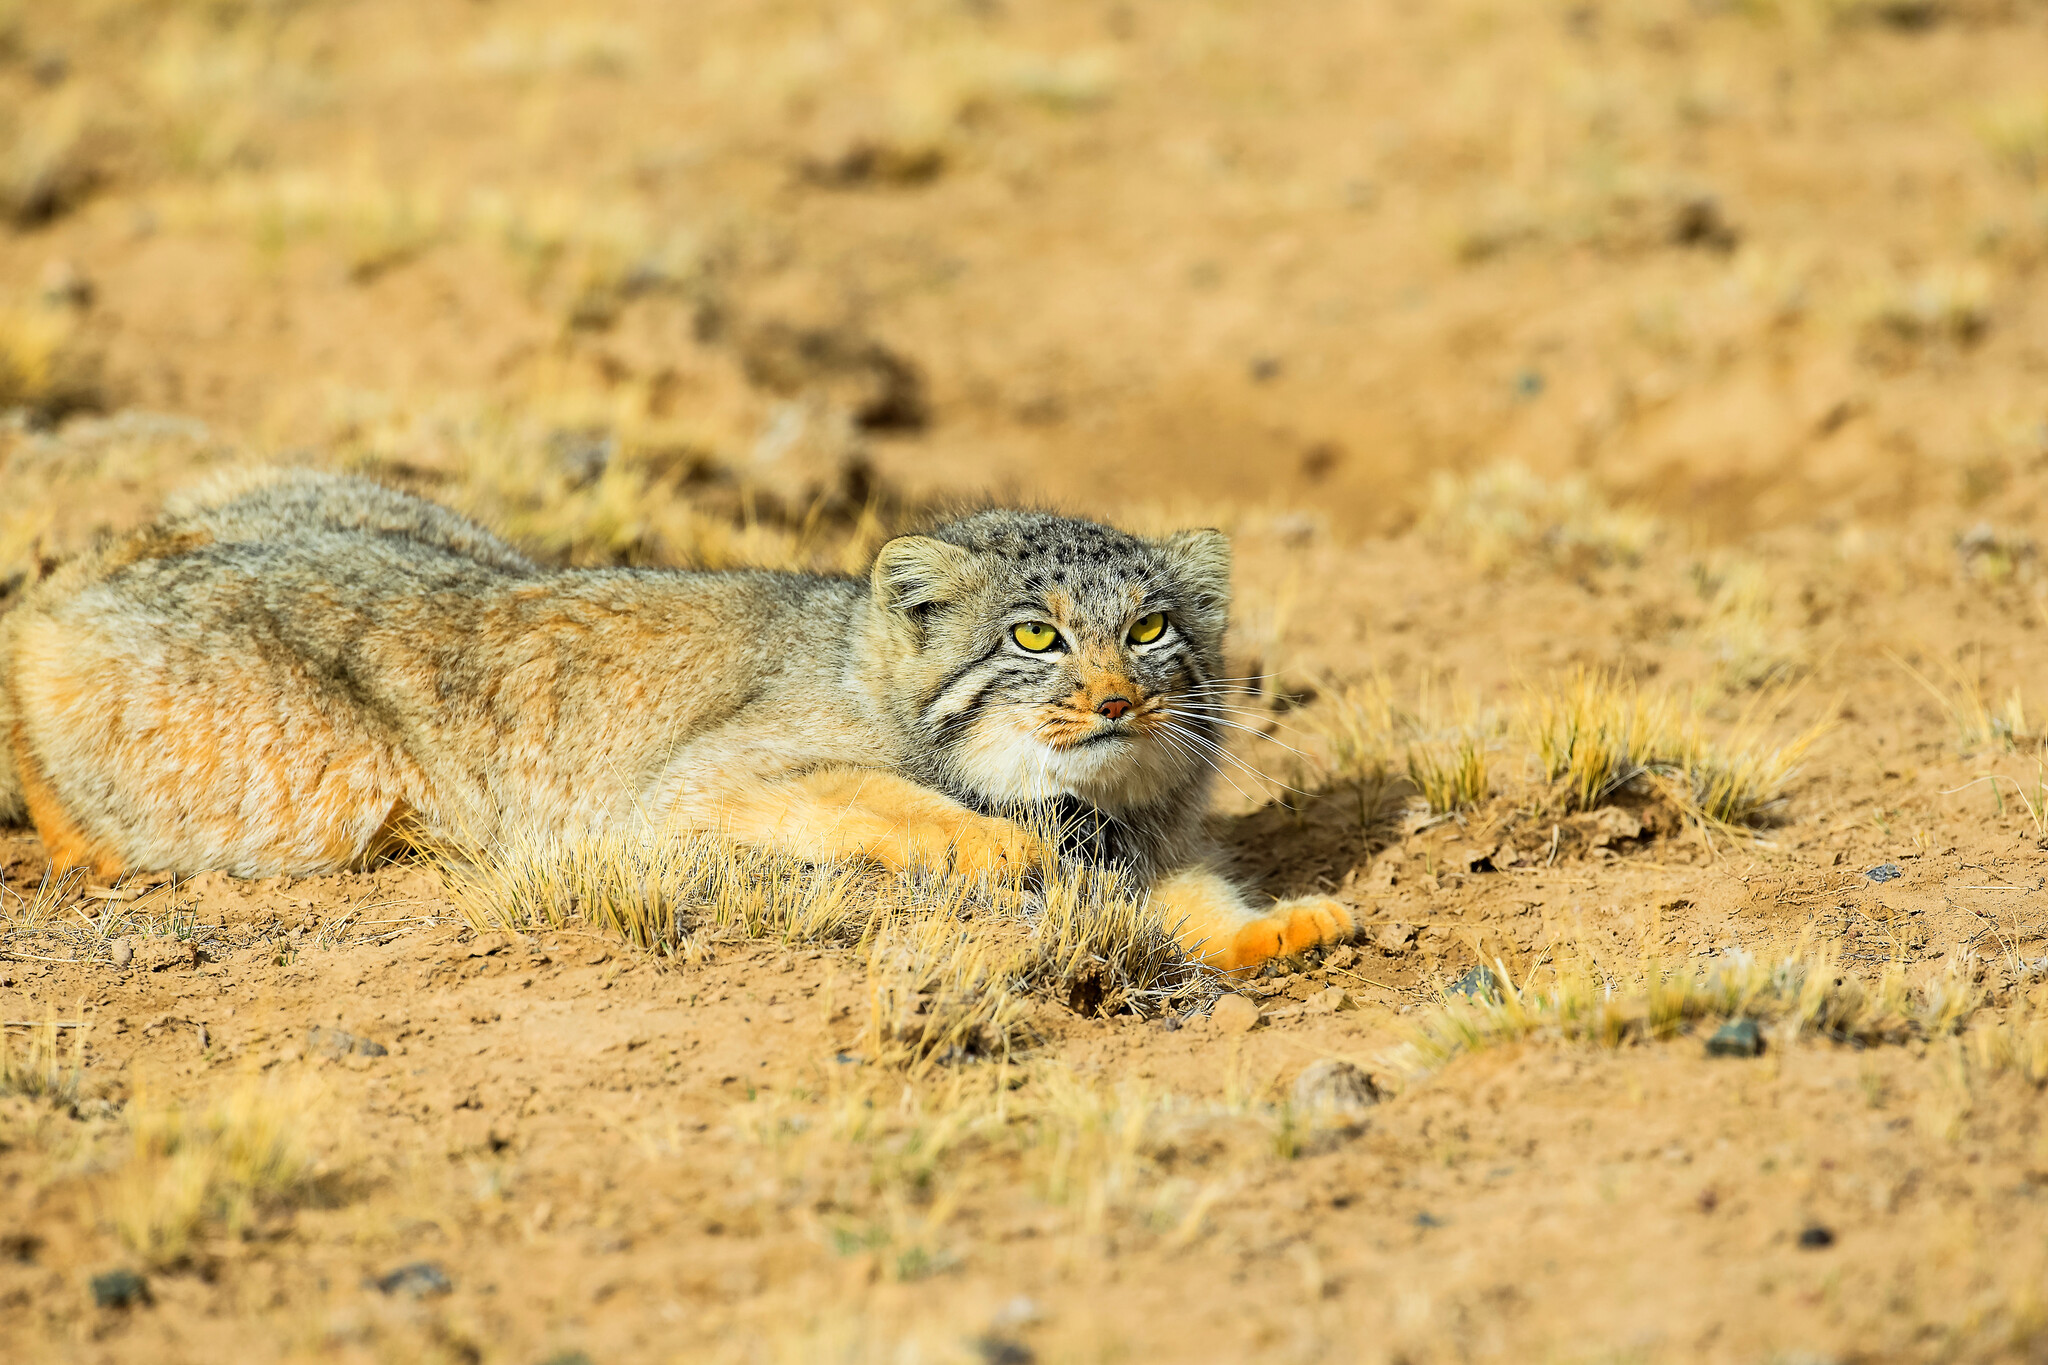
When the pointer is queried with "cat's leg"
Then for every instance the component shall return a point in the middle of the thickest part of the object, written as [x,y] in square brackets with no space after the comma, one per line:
[1217,927]
[844,813]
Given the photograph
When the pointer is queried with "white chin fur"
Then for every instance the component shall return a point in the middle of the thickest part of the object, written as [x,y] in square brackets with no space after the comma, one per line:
[1004,760]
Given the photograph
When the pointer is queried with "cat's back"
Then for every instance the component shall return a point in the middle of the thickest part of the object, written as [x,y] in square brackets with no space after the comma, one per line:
[278,506]
[339,647]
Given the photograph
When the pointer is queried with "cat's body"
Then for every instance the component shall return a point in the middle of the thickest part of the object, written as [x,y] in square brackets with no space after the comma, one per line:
[287,672]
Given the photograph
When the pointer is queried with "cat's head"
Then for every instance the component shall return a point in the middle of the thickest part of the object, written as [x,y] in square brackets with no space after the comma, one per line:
[1036,657]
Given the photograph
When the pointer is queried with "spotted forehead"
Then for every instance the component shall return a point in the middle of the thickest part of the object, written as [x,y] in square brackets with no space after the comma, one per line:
[1038,543]
[1082,564]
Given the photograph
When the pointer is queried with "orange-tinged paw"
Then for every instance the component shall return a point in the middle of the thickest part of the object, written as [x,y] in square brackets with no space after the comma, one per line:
[975,844]
[1292,927]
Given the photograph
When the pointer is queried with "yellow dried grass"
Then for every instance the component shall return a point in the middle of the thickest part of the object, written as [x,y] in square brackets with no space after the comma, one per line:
[197,1170]
[1806,992]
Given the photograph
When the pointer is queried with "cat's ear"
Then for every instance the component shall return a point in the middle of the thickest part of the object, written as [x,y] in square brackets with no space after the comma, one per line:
[913,572]
[1200,560]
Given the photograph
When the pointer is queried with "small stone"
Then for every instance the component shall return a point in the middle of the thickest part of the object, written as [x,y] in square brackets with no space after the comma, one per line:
[337,1043]
[120,1289]
[1813,1237]
[997,1350]
[121,952]
[1340,957]
[1885,872]
[1477,984]
[1393,938]
[1333,1094]
[1329,1001]
[1234,1014]
[418,1280]
[1736,1038]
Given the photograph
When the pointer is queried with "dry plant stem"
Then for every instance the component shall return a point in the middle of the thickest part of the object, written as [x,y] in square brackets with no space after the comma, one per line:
[39,1071]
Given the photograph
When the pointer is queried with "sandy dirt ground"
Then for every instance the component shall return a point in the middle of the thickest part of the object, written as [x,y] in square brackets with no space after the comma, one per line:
[1694,348]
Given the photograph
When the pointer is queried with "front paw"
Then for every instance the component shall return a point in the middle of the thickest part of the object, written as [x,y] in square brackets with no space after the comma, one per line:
[1291,927]
[976,846]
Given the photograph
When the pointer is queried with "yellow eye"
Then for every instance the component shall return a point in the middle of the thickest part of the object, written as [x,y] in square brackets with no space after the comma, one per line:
[1148,628]
[1035,636]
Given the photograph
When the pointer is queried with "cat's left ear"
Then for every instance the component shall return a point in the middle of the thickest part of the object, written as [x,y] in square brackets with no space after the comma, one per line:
[912,573]
[1200,560]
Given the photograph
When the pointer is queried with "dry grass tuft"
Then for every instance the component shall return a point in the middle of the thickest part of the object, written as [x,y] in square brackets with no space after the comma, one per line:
[1741,626]
[35,911]
[2016,132]
[666,896]
[1098,948]
[1591,736]
[1807,993]
[1975,720]
[32,1062]
[50,162]
[1440,743]
[941,989]
[2012,1046]
[43,369]
[1503,515]
[1595,734]
[948,958]
[899,1162]
[222,1167]
[1949,306]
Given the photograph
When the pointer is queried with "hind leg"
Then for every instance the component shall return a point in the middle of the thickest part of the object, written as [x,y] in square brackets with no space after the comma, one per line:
[135,755]
[1218,928]
[66,845]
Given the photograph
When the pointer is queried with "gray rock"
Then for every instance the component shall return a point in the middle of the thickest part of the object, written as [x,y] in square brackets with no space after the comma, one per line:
[334,1042]
[120,1289]
[996,1350]
[1333,1094]
[418,1280]
[1736,1038]
[1885,872]
[1477,984]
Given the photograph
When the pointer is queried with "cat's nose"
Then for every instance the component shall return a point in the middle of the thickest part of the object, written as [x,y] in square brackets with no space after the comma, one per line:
[1115,708]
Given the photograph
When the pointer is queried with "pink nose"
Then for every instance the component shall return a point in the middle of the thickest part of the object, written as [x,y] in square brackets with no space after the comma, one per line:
[1115,708]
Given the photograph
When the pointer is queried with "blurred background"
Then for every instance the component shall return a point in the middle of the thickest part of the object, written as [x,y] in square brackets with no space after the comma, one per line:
[652,281]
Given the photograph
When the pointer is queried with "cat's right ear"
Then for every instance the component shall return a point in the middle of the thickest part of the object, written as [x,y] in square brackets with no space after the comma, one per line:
[912,573]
